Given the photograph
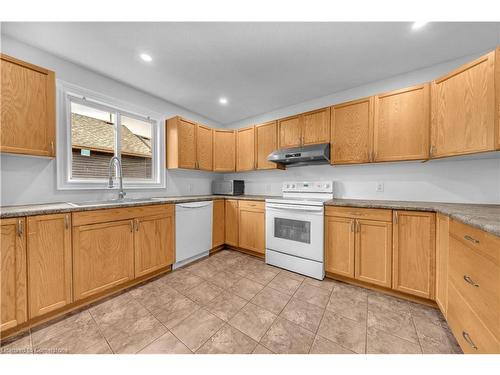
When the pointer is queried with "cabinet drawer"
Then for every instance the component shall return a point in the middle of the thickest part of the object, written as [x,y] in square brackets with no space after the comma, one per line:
[360,213]
[115,214]
[485,243]
[468,329]
[478,281]
[252,205]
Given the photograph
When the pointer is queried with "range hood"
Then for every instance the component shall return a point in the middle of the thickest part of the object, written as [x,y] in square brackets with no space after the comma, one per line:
[298,156]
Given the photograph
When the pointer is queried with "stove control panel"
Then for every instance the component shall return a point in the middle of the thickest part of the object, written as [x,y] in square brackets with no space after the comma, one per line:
[308,187]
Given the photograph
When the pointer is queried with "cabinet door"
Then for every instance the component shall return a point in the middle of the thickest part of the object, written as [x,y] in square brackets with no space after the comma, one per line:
[187,144]
[352,125]
[266,142]
[218,223]
[224,150]
[231,221]
[154,243]
[402,124]
[252,229]
[414,253]
[12,273]
[28,108]
[316,127]
[373,252]
[290,132]
[204,141]
[49,263]
[463,109]
[103,257]
[339,245]
[442,245]
[245,149]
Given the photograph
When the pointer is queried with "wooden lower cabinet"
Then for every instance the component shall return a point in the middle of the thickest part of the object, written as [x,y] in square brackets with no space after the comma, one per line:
[373,252]
[252,228]
[154,242]
[49,263]
[339,245]
[103,256]
[218,226]
[231,222]
[442,247]
[414,254]
[13,308]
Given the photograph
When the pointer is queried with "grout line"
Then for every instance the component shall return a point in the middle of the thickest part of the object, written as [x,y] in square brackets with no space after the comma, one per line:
[100,332]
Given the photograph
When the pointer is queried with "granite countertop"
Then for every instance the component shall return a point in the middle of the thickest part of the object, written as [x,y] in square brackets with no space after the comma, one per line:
[482,216]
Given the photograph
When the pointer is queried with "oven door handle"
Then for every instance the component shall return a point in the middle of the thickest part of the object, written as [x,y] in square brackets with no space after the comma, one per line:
[288,207]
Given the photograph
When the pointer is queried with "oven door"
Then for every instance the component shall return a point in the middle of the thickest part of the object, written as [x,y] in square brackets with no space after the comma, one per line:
[296,230]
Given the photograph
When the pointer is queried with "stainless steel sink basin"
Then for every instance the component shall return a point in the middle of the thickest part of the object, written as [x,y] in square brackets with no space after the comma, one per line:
[109,202]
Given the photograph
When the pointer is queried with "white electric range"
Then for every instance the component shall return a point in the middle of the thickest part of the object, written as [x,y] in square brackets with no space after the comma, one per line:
[295,227]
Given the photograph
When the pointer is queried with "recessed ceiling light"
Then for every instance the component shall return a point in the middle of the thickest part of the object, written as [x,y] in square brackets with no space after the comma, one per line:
[146,57]
[223,101]
[418,25]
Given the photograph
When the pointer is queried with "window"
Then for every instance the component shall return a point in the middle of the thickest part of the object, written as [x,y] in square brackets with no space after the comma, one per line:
[93,129]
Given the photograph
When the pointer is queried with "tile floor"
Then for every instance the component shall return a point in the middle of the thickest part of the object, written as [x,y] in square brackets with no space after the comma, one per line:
[234,303]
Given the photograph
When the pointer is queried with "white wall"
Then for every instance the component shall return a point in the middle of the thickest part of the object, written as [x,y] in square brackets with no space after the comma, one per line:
[465,179]
[26,180]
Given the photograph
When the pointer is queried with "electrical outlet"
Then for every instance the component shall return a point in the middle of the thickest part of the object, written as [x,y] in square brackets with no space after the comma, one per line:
[380,187]
[190,187]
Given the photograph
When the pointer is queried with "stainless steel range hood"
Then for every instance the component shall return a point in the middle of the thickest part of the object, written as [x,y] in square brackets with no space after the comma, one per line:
[298,156]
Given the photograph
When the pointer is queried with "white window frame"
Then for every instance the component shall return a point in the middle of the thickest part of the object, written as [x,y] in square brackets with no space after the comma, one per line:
[67,93]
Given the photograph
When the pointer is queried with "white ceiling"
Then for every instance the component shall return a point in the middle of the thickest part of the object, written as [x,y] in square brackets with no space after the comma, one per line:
[259,67]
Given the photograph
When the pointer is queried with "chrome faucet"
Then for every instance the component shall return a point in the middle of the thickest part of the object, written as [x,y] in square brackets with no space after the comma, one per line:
[114,159]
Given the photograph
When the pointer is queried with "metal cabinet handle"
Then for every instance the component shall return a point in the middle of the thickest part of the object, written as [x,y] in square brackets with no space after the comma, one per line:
[396,219]
[469,280]
[467,338]
[137,224]
[52,147]
[131,225]
[471,239]
[358,227]
[20,228]
[352,226]
[66,222]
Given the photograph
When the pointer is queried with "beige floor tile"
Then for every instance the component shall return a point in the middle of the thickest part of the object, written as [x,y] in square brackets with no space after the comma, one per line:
[224,279]
[382,302]
[228,341]
[253,321]
[325,346]
[21,344]
[226,305]
[271,299]
[428,313]
[166,344]
[394,322]
[182,280]
[116,311]
[203,293]
[154,295]
[292,275]
[197,328]
[350,291]
[261,275]
[175,312]
[345,332]
[324,284]
[303,313]
[313,294]
[285,337]
[435,338]
[246,288]
[101,347]
[380,342]
[352,308]
[259,349]
[204,269]
[285,284]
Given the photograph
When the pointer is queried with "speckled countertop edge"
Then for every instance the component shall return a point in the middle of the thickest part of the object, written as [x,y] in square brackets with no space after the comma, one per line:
[482,216]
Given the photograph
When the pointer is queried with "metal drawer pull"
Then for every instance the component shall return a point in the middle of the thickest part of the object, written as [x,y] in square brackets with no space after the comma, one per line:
[352,226]
[66,222]
[469,340]
[468,279]
[469,238]
[20,228]
[131,225]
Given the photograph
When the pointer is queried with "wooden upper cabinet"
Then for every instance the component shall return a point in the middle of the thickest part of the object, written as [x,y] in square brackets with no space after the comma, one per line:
[316,127]
[181,143]
[224,150]
[290,132]
[49,263]
[497,96]
[27,98]
[266,139]
[13,307]
[231,222]
[218,223]
[352,125]
[204,148]
[339,245]
[464,115]
[442,249]
[252,227]
[154,241]
[245,149]
[414,253]
[402,124]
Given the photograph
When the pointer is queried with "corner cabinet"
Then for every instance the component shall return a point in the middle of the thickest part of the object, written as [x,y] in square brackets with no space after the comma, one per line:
[465,108]
[204,148]
[442,249]
[28,108]
[224,150]
[266,141]
[13,301]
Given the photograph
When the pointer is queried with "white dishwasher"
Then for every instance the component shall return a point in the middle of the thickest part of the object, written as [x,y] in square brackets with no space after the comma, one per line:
[193,231]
